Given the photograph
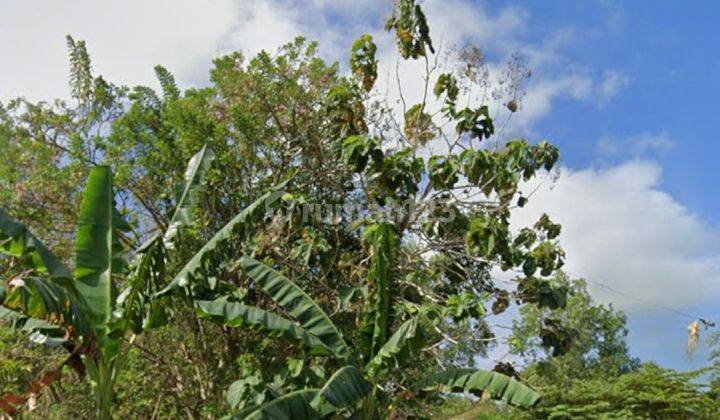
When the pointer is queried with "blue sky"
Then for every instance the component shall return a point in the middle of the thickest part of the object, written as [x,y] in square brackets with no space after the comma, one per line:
[626,89]
[669,54]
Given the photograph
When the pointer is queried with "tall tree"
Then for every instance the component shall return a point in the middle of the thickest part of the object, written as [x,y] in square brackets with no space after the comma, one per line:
[423,196]
[596,342]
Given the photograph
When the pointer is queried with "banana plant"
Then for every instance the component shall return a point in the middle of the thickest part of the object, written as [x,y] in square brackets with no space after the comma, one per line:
[356,386]
[76,303]
[81,309]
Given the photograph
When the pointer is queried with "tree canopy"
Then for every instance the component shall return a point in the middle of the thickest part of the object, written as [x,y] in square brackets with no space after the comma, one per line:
[287,240]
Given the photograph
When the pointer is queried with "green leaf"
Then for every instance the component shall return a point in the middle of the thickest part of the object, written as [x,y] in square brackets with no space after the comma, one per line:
[236,314]
[362,61]
[411,29]
[291,406]
[17,241]
[446,83]
[249,388]
[39,331]
[383,243]
[348,295]
[45,300]
[93,248]
[542,293]
[356,151]
[407,340]
[344,389]
[443,171]
[298,304]
[167,83]
[497,385]
[479,166]
[194,175]
[22,322]
[295,367]
[555,336]
[199,265]
[419,126]
[136,307]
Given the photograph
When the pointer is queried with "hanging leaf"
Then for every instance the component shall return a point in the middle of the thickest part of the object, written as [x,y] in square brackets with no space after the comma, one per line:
[411,29]
[39,330]
[136,307]
[542,293]
[443,171]
[555,336]
[199,266]
[17,241]
[298,304]
[446,83]
[194,175]
[478,382]
[405,342]
[236,314]
[344,389]
[419,126]
[477,122]
[46,301]
[356,150]
[362,61]
[291,406]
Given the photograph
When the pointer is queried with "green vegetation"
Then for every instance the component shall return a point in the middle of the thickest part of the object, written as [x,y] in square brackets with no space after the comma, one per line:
[286,243]
[597,377]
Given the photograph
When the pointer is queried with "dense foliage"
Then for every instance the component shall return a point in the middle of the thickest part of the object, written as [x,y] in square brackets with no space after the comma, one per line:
[596,332]
[597,377]
[286,239]
[648,392]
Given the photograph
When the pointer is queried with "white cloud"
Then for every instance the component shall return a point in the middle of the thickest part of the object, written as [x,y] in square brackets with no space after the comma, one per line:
[620,229]
[612,82]
[263,25]
[455,21]
[638,146]
[540,95]
[127,40]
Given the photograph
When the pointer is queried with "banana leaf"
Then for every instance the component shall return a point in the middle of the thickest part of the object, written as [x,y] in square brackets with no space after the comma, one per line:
[204,264]
[236,314]
[17,241]
[497,385]
[136,307]
[94,248]
[343,390]
[291,406]
[382,239]
[298,304]
[47,301]
[194,175]
[407,340]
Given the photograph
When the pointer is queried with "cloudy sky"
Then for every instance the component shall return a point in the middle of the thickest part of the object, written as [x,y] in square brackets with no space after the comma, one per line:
[627,90]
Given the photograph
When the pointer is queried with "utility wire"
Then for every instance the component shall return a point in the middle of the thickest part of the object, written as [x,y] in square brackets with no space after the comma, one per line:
[637,299]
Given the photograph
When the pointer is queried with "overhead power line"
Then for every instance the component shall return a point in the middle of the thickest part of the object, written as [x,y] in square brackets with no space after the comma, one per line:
[640,300]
